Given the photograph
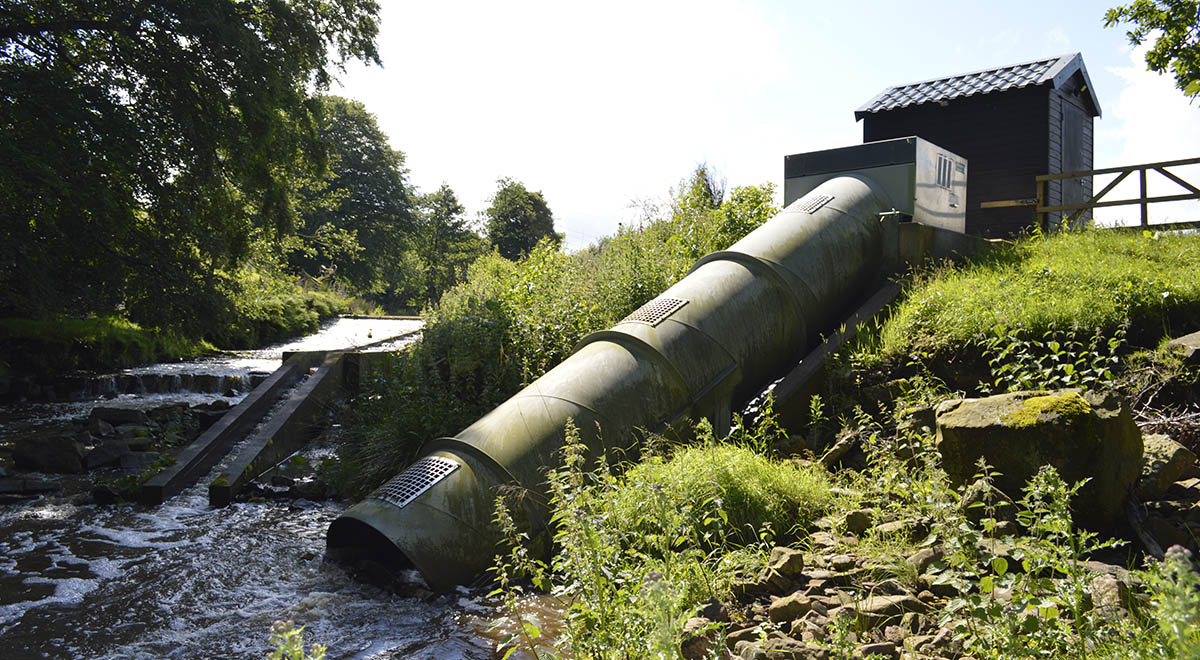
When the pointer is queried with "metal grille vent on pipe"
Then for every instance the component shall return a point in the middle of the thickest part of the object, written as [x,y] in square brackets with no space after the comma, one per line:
[813,204]
[417,479]
[656,311]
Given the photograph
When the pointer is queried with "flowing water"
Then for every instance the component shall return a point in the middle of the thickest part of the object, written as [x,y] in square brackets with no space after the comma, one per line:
[185,580]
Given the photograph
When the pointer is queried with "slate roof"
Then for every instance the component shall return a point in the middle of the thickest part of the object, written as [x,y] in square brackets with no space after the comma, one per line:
[1053,71]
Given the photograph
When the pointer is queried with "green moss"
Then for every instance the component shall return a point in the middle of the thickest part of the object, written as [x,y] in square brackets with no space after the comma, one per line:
[1068,405]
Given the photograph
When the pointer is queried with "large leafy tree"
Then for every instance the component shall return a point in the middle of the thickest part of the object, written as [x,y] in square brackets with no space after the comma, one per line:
[359,222]
[445,241]
[1175,27]
[147,142]
[517,219]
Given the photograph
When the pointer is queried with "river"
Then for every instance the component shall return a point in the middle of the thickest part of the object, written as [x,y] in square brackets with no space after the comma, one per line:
[185,580]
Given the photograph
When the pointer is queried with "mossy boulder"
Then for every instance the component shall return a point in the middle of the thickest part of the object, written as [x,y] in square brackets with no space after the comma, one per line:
[1084,435]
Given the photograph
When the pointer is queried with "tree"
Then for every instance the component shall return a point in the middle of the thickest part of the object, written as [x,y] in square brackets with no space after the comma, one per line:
[445,241]
[518,219]
[147,142]
[358,222]
[1175,25]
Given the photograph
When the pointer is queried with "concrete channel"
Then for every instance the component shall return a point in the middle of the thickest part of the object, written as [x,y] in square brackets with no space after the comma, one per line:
[278,417]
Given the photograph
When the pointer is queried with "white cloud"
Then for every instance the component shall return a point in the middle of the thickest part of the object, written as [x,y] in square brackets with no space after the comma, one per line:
[1155,122]
[595,106]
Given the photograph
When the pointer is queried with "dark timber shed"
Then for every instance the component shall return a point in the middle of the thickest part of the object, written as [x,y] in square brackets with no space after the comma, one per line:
[1011,123]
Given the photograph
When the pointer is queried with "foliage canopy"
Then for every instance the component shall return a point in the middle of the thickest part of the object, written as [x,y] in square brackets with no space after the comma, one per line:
[518,219]
[1175,25]
[147,143]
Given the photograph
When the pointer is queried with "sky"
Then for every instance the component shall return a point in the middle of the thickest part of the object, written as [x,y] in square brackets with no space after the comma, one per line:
[607,106]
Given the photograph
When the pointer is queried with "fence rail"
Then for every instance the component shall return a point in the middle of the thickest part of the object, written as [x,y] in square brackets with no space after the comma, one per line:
[1122,173]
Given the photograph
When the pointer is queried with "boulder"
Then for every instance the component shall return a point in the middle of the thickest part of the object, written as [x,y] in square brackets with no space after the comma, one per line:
[859,521]
[138,460]
[789,608]
[1164,462]
[118,416]
[878,650]
[98,427]
[698,640]
[106,454]
[1188,347]
[874,611]
[23,488]
[51,453]
[788,562]
[1084,435]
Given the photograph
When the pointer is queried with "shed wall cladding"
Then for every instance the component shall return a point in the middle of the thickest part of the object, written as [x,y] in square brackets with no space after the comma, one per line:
[1070,125]
[1012,123]
[1004,138]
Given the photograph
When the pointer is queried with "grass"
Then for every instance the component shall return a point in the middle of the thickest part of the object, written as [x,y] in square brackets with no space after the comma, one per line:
[1090,280]
[731,488]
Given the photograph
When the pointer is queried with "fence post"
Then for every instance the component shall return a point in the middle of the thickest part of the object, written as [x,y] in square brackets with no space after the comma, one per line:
[1145,204]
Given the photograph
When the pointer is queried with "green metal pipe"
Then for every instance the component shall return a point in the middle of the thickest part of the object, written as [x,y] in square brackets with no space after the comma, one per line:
[740,318]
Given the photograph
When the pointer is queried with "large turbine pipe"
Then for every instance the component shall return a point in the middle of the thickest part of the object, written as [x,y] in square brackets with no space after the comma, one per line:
[741,317]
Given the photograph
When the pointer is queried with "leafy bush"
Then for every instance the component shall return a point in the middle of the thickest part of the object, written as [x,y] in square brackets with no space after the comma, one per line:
[725,491]
[636,553]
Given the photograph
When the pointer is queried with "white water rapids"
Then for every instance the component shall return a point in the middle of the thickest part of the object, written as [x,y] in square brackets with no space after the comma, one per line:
[185,580]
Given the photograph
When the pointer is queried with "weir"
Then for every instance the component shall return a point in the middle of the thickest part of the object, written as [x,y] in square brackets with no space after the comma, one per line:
[741,318]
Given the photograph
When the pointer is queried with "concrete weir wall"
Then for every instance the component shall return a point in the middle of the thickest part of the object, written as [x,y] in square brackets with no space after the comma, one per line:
[207,450]
[290,427]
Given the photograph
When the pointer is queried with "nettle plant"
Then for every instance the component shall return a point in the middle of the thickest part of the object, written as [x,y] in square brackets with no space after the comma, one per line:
[1021,360]
[1025,596]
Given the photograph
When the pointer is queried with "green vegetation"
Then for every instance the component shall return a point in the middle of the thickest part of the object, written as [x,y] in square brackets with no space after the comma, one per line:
[518,219]
[746,491]
[507,323]
[641,548]
[224,197]
[1068,405]
[69,344]
[149,144]
[636,553]
[288,641]
[1042,304]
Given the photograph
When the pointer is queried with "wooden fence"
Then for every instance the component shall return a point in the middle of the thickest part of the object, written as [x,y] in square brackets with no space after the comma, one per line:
[1122,173]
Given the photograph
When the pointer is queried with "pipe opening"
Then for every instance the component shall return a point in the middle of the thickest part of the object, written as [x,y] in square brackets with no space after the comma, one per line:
[369,556]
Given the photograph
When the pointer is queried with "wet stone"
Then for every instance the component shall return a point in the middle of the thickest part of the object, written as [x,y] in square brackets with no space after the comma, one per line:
[49,453]
[106,454]
[138,460]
